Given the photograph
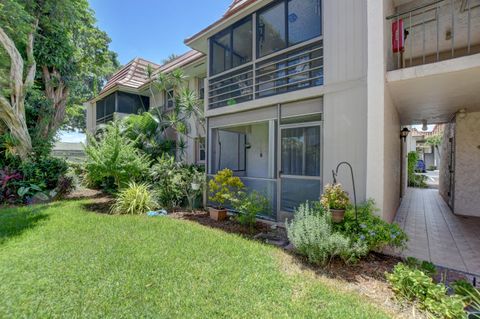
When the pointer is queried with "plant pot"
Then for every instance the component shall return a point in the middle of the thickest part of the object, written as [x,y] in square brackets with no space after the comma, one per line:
[195,186]
[337,215]
[217,214]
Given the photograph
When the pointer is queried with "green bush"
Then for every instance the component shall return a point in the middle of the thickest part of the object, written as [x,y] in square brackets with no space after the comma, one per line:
[312,235]
[136,199]
[224,188]
[371,229]
[415,286]
[249,206]
[44,171]
[167,176]
[113,161]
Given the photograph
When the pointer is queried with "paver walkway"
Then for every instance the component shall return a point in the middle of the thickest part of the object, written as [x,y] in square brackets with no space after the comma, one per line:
[436,234]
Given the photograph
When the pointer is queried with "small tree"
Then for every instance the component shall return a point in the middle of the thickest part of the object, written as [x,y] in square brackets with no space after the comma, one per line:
[114,157]
[435,141]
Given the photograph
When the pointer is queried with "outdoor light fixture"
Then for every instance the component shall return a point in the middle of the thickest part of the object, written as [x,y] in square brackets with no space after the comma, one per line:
[424,125]
[404,133]
[335,174]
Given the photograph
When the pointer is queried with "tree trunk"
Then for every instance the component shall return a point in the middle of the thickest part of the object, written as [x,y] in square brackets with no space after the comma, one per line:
[12,113]
[57,92]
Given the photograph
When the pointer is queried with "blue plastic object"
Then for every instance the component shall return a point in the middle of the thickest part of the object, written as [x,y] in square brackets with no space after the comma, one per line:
[161,212]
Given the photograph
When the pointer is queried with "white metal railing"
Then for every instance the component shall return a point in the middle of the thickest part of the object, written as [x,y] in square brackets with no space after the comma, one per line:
[439,30]
[292,69]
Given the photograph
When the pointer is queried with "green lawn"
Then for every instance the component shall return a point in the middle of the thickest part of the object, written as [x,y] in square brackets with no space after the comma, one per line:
[60,260]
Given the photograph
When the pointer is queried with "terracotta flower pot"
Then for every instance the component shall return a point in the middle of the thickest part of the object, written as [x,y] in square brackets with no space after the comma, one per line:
[217,214]
[337,215]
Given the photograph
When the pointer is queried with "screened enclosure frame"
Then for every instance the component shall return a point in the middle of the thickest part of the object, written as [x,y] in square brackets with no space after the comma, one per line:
[281,176]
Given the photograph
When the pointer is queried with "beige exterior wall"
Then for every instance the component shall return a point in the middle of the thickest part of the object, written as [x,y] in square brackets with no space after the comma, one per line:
[467,165]
[444,178]
[345,98]
[392,161]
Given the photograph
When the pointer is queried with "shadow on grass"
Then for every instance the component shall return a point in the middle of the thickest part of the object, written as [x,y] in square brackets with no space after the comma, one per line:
[15,221]
[100,205]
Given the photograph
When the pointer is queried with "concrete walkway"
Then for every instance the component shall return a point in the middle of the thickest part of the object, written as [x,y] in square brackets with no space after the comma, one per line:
[436,234]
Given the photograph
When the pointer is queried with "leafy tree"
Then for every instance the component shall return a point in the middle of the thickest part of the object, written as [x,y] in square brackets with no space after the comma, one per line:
[170,58]
[435,141]
[52,47]
[187,106]
[17,71]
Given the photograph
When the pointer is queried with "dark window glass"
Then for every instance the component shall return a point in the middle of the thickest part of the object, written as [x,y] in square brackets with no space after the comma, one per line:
[242,43]
[132,103]
[201,88]
[110,104]
[100,109]
[304,20]
[221,57]
[232,47]
[271,30]
[169,99]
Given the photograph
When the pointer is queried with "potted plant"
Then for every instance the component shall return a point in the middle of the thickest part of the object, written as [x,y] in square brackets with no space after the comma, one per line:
[336,200]
[223,189]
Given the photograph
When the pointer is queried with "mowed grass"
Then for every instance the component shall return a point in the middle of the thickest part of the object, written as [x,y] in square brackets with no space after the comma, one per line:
[60,260]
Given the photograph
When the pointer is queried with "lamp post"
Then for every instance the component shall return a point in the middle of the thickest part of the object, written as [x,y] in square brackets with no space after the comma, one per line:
[335,174]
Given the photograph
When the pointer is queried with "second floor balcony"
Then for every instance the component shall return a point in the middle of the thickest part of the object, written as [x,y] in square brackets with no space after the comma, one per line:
[276,50]
[425,32]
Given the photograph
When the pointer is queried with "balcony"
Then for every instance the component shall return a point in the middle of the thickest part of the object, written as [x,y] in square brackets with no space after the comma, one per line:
[288,70]
[433,32]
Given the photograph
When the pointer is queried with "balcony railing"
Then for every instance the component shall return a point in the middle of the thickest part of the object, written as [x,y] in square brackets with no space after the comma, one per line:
[295,69]
[437,31]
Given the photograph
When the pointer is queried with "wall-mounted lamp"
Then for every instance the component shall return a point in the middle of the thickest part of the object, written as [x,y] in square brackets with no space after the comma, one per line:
[404,133]
[462,113]
[424,125]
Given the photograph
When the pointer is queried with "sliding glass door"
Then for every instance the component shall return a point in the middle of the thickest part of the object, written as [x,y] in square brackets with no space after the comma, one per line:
[300,165]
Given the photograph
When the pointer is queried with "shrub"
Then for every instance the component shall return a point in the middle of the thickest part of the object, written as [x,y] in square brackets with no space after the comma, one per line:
[432,168]
[135,199]
[224,188]
[334,197]
[371,229]
[44,171]
[249,206]
[312,235]
[113,161]
[415,286]
[427,267]
[167,177]
[9,185]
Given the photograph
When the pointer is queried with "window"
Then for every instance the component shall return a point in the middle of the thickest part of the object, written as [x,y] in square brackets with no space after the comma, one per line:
[304,20]
[271,31]
[287,23]
[169,99]
[201,88]
[232,47]
[201,152]
[132,103]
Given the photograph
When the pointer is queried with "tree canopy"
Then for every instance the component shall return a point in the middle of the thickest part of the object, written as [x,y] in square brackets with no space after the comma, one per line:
[52,59]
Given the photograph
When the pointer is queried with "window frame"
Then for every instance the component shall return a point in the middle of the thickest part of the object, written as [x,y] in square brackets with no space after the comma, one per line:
[200,141]
[287,35]
[229,30]
[167,98]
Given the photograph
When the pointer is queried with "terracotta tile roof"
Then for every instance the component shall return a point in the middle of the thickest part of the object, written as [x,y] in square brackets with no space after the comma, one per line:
[235,6]
[133,74]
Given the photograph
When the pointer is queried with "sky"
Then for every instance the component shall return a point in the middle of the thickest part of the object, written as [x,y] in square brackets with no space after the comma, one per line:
[154,29]
[151,29]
